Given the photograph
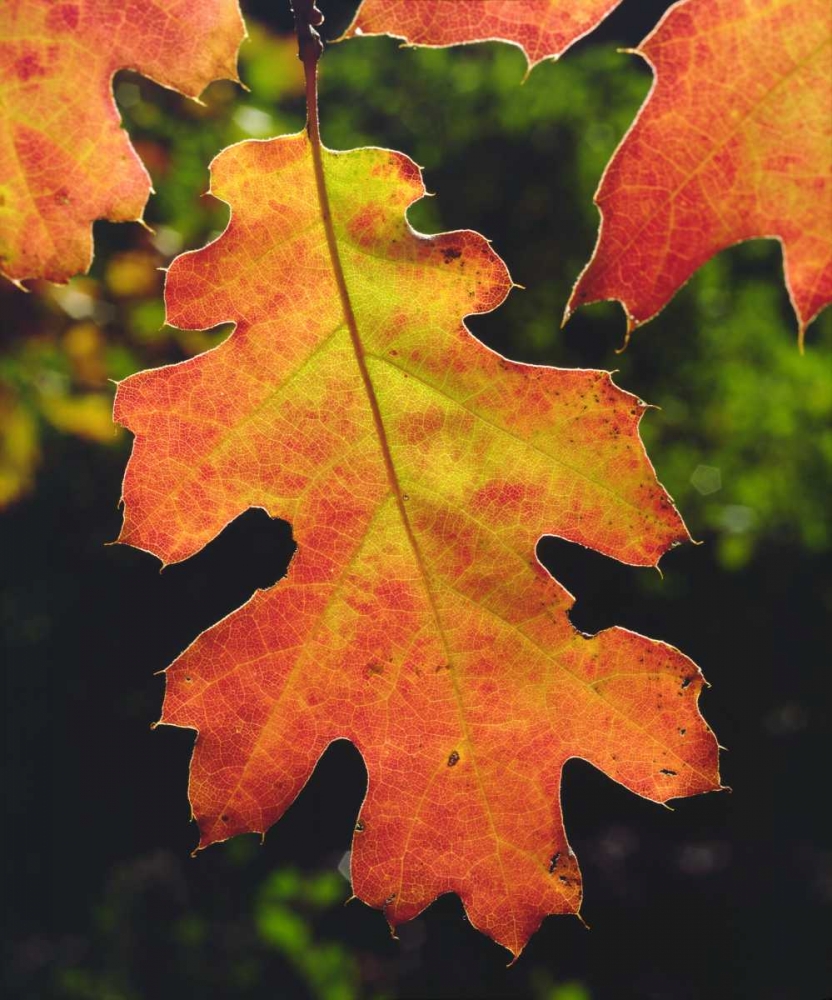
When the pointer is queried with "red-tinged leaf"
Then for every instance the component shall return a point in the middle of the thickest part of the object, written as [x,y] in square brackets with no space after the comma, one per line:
[64,160]
[418,470]
[543,29]
[733,142]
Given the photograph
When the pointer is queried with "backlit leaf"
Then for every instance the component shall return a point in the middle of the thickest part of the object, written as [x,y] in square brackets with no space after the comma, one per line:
[64,160]
[543,29]
[418,470]
[733,142]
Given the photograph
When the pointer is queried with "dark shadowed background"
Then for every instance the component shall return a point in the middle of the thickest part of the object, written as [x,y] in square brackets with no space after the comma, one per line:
[729,895]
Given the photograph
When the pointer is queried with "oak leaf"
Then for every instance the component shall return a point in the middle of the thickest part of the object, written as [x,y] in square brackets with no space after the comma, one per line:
[543,29]
[733,142]
[418,469]
[64,160]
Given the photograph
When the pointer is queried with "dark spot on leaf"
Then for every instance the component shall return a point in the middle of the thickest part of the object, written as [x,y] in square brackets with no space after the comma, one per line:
[28,66]
[451,253]
[554,862]
[666,770]
[686,681]
[453,759]
[359,827]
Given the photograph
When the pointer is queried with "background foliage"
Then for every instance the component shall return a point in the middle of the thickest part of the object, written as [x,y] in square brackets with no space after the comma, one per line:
[728,896]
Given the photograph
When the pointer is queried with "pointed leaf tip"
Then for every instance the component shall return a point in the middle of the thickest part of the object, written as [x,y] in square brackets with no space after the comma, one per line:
[541,29]
[56,67]
[750,165]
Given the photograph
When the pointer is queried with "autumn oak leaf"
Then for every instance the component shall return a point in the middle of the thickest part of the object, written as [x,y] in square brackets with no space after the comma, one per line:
[418,470]
[64,159]
[733,142]
[543,29]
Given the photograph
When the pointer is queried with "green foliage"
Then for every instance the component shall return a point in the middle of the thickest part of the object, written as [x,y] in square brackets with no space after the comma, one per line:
[330,971]
[749,405]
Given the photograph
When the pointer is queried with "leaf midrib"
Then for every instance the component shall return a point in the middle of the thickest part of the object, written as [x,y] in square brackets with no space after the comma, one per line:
[358,347]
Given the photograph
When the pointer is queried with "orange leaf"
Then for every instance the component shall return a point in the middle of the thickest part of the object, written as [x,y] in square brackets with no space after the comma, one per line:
[418,469]
[543,29]
[64,159]
[733,142]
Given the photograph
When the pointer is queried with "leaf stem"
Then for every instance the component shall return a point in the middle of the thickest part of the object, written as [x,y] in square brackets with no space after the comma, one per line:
[310,46]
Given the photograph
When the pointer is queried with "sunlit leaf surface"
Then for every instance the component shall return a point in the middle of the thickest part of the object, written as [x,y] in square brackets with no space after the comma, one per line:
[64,160]
[543,29]
[418,470]
[733,142]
